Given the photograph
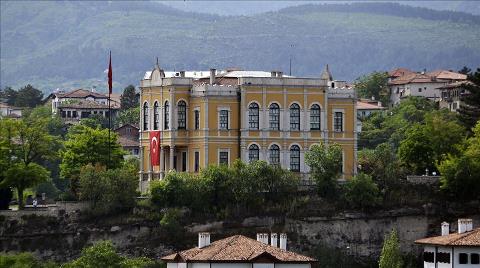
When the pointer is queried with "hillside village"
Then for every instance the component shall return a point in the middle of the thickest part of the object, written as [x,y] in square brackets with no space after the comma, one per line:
[233,167]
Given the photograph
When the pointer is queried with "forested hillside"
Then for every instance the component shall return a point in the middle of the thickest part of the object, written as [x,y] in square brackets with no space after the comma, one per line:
[62,44]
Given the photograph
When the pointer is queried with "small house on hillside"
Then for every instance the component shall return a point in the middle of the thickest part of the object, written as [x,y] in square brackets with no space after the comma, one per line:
[459,250]
[239,251]
[128,135]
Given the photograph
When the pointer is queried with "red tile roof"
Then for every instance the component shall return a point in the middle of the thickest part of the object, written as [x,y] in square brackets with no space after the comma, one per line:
[400,72]
[237,248]
[471,238]
[368,106]
[80,93]
[447,75]
[411,78]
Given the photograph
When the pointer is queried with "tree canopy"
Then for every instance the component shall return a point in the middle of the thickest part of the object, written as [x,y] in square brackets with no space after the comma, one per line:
[470,108]
[129,99]
[28,96]
[373,85]
[391,256]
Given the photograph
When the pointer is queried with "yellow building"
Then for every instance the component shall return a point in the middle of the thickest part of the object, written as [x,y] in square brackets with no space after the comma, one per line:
[216,117]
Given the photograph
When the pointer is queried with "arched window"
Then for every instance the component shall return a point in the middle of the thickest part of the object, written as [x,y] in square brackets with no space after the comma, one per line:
[295,158]
[166,116]
[145,116]
[253,153]
[315,117]
[182,115]
[294,117]
[274,154]
[156,116]
[253,116]
[274,115]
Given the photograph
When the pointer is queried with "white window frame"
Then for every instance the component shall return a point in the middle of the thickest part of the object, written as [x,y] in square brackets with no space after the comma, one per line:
[229,115]
[343,120]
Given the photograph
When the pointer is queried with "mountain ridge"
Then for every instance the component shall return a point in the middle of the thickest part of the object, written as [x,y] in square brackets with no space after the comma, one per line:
[66,44]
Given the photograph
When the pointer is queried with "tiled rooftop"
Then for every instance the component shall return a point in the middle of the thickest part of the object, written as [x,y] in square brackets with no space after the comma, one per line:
[471,238]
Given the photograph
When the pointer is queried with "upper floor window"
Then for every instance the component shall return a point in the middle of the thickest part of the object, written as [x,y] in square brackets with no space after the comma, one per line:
[295,158]
[274,154]
[223,119]
[223,158]
[182,115]
[253,119]
[338,122]
[166,114]
[274,116]
[294,117]
[145,116]
[253,153]
[315,117]
[156,116]
[197,119]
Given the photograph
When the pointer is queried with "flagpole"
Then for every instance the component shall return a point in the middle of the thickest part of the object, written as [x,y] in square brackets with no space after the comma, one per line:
[109,110]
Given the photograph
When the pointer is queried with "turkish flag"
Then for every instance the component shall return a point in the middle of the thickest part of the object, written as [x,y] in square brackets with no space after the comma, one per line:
[154,148]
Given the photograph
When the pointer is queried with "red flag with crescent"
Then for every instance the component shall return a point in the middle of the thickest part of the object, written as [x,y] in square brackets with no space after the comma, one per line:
[155,147]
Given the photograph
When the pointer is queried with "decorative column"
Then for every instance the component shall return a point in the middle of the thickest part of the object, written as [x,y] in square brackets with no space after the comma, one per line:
[162,162]
[172,152]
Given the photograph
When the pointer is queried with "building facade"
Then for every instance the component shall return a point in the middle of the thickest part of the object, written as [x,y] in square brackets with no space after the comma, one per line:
[459,250]
[77,104]
[453,94]
[247,115]
[128,135]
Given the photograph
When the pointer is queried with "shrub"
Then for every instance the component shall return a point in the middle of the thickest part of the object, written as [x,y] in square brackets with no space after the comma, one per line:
[362,192]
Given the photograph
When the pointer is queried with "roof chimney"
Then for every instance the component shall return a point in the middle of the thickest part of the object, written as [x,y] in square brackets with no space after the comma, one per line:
[212,76]
[203,240]
[273,240]
[464,225]
[283,241]
[273,73]
[182,73]
[445,228]
[262,237]
[279,74]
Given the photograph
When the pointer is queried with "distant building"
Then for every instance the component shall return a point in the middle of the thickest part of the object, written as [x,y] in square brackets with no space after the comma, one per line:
[80,103]
[7,111]
[452,95]
[249,115]
[128,138]
[404,83]
[366,107]
[239,251]
[459,250]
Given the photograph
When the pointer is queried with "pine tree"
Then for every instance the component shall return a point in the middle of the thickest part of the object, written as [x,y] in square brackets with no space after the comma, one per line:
[469,110]
[129,98]
[391,256]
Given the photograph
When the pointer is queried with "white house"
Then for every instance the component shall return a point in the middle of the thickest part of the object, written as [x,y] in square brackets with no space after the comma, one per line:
[424,84]
[239,251]
[459,250]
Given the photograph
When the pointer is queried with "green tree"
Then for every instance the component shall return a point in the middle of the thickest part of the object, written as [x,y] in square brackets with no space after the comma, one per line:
[391,257]
[362,192]
[129,116]
[469,110]
[25,144]
[9,95]
[465,70]
[416,150]
[85,145]
[28,96]
[325,164]
[108,190]
[24,260]
[129,98]
[373,85]
[461,173]
[103,254]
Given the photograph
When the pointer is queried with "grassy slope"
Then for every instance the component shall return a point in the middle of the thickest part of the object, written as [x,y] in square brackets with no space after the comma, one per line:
[66,44]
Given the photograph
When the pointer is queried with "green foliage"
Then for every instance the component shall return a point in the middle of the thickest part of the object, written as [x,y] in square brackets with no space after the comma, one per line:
[85,145]
[461,173]
[28,96]
[129,98]
[391,256]
[103,254]
[470,110]
[373,85]
[129,116]
[24,144]
[9,95]
[325,162]
[23,260]
[95,121]
[108,190]
[416,150]
[242,187]
[362,192]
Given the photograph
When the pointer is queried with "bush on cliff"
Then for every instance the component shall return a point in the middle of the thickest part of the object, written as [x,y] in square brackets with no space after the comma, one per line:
[23,260]
[361,192]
